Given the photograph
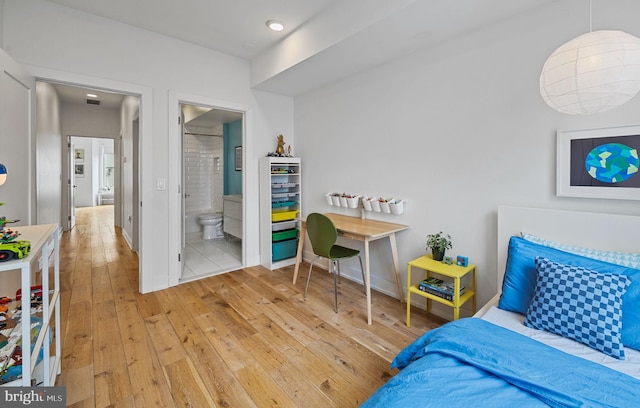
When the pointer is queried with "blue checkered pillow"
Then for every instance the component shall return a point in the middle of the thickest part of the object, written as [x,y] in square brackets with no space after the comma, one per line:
[580,304]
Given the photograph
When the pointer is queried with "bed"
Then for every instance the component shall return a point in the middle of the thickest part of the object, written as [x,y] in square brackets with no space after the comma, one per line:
[563,330]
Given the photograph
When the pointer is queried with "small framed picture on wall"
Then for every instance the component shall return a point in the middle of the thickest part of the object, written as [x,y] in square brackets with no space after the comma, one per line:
[79,170]
[79,155]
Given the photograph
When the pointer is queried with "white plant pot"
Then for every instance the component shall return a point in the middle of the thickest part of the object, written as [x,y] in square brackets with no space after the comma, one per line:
[327,198]
[335,200]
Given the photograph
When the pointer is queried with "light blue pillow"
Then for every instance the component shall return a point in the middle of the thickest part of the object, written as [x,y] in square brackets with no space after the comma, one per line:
[579,304]
[615,257]
[519,282]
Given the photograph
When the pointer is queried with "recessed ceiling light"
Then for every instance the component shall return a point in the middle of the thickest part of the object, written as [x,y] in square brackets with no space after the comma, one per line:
[275,25]
[92,95]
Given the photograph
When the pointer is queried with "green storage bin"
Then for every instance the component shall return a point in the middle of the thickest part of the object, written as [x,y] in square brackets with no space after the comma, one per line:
[284,249]
[284,234]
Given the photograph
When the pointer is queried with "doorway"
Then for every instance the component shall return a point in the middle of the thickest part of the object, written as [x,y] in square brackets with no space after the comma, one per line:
[92,174]
[98,130]
[212,203]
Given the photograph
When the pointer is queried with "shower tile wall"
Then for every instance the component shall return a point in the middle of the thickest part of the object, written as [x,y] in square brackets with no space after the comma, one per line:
[203,183]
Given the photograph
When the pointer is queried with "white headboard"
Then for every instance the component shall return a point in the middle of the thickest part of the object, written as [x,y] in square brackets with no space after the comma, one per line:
[613,232]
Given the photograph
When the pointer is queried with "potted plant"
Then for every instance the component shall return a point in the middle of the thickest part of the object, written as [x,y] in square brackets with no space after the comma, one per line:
[438,243]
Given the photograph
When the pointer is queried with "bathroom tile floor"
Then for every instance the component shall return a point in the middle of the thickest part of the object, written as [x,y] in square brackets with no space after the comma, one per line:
[210,257]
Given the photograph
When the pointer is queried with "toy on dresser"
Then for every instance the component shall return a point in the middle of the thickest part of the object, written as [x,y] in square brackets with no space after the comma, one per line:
[10,247]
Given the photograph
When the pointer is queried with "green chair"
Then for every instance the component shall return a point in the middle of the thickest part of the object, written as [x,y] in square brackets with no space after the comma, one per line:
[323,235]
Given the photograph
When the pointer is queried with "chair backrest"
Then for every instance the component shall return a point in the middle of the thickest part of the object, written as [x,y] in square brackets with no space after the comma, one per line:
[322,234]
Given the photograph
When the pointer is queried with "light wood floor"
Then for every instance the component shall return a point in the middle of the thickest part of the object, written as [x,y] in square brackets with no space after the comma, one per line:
[242,339]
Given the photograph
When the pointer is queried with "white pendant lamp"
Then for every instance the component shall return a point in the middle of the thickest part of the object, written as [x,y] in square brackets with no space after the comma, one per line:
[592,73]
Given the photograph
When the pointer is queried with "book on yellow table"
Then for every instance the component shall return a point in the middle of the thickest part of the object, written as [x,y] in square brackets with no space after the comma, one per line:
[439,288]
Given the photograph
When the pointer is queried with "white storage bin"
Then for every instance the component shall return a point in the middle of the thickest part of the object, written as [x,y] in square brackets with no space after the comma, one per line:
[353,202]
[327,198]
[397,206]
[384,206]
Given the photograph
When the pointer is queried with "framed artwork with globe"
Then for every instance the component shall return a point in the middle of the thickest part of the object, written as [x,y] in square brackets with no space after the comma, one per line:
[599,163]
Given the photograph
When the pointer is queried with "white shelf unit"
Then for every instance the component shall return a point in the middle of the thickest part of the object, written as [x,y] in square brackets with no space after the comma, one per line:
[280,198]
[44,245]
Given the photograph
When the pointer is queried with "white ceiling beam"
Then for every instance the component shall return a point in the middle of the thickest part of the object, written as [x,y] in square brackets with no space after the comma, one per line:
[327,29]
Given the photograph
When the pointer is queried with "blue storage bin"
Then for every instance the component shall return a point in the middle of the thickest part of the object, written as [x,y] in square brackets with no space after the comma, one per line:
[284,249]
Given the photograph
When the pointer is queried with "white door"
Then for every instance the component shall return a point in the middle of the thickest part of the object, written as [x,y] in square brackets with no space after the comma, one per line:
[17,138]
[17,150]
[71,191]
[183,196]
[136,186]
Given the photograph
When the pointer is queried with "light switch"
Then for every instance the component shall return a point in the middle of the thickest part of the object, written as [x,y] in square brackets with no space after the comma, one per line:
[161,184]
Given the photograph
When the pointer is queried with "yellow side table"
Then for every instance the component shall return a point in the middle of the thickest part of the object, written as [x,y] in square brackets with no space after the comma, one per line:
[451,271]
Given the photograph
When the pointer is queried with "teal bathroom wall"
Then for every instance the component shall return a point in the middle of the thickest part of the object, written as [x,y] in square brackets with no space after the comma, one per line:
[232,139]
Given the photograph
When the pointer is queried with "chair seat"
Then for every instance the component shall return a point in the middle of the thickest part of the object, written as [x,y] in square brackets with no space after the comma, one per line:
[340,252]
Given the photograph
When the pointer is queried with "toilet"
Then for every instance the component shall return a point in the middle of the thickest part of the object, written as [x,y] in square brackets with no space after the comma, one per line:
[211,225]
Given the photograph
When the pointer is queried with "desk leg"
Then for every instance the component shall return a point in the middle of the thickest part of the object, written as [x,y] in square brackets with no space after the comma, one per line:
[396,265]
[367,271]
[303,232]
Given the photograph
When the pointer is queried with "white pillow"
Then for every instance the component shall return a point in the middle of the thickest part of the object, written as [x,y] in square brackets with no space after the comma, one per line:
[630,260]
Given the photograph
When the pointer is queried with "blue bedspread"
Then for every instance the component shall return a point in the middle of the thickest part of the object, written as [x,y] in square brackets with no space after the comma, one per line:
[473,363]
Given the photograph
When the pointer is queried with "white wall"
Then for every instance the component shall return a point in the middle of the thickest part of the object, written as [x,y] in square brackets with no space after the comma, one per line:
[457,130]
[54,41]
[203,184]
[2,24]
[90,121]
[48,149]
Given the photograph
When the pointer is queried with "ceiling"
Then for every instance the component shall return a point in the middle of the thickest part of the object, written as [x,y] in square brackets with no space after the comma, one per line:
[196,116]
[235,27]
[74,94]
[323,41]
